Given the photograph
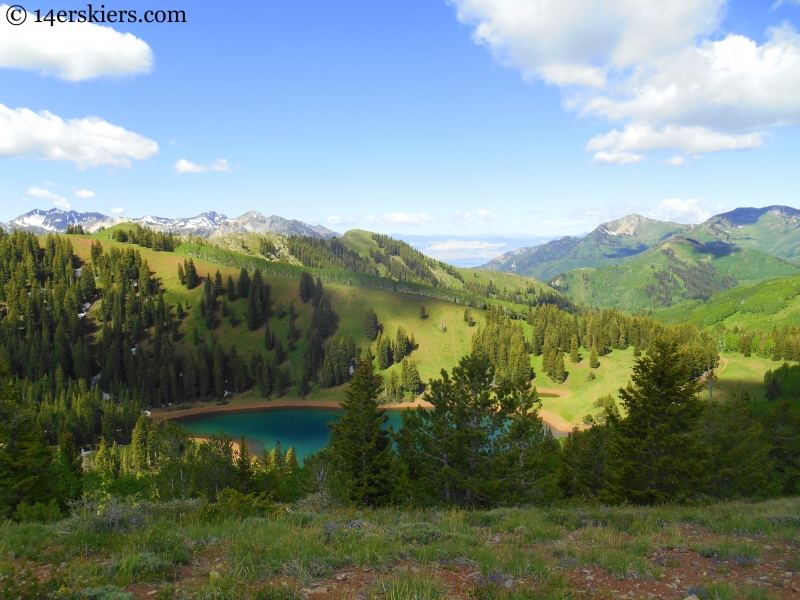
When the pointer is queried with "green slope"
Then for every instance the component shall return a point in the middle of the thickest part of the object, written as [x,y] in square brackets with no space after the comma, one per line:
[756,306]
[611,243]
[773,229]
[678,270]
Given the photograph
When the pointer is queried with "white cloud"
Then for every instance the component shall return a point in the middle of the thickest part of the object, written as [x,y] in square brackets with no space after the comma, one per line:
[401,218]
[617,158]
[86,142]
[684,211]
[487,216]
[451,245]
[676,161]
[334,220]
[643,138]
[44,194]
[84,194]
[117,210]
[72,51]
[651,66]
[185,166]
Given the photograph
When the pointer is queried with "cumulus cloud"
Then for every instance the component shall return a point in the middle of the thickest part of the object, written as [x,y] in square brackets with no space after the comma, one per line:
[675,161]
[117,210]
[487,216]
[72,51]
[44,194]
[84,194]
[622,146]
[684,211]
[184,166]
[334,220]
[451,245]
[86,142]
[652,67]
[401,218]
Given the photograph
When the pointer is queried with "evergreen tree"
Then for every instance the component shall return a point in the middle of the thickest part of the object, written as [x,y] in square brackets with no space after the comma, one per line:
[740,465]
[584,462]
[244,468]
[655,451]
[218,289]
[139,445]
[574,350]
[371,327]
[360,444]
[410,377]
[292,464]
[480,444]
[468,318]
[243,285]
[594,362]
[191,274]
[181,274]
[559,369]
[306,287]
[231,289]
[422,312]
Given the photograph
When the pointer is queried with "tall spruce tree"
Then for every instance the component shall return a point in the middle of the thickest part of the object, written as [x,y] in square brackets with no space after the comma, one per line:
[371,327]
[480,444]
[655,452]
[360,443]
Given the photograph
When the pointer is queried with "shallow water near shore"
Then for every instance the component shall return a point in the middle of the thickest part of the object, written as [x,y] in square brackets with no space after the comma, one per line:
[306,429]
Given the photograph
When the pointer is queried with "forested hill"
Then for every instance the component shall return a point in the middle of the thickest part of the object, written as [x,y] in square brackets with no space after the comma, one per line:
[678,270]
[610,243]
[774,230]
[373,260]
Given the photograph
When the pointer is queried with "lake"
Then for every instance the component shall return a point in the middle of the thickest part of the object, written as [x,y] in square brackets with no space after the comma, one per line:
[304,428]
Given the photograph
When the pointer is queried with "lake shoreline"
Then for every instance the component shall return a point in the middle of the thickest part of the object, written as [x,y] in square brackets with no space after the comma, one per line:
[555,422]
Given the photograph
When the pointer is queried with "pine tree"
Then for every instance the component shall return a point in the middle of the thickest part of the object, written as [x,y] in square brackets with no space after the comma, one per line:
[243,283]
[559,369]
[655,452]
[371,327]
[139,445]
[231,289]
[306,287]
[181,274]
[191,274]
[244,468]
[594,362]
[574,350]
[360,444]
[292,464]
[422,313]
[218,289]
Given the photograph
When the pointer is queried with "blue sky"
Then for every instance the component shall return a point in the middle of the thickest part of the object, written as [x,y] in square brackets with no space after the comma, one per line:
[463,117]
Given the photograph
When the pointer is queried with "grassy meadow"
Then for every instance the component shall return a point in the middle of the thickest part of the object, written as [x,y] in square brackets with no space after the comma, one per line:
[313,549]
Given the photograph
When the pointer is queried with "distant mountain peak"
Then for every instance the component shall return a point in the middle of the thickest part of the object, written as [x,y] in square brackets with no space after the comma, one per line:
[630,225]
[207,224]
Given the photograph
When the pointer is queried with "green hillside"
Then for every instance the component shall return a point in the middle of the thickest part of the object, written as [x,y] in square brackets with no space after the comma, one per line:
[678,270]
[772,229]
[567,403]
[755,306]
[611,243]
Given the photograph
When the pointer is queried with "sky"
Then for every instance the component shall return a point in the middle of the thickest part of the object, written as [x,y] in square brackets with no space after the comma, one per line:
[439,117]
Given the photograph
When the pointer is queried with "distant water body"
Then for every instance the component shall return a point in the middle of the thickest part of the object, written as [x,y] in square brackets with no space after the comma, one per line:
[304,428]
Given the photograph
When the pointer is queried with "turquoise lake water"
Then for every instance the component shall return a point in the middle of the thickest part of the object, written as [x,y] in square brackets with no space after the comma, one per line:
[304,428]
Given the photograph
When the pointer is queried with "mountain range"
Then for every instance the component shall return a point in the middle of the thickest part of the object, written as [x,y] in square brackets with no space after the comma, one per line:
[207,224]
[774,230]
